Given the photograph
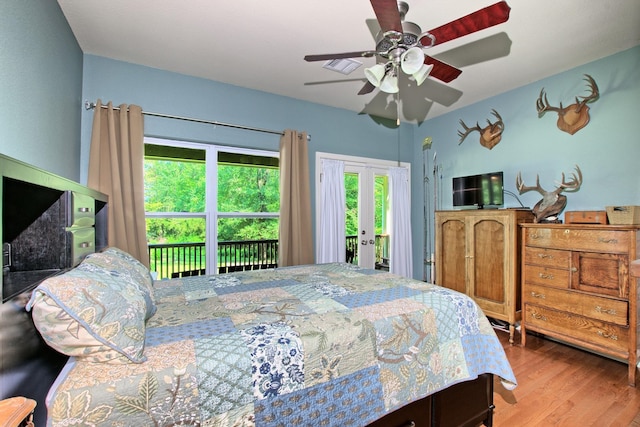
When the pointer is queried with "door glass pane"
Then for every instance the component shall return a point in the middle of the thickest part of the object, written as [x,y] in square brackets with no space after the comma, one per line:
[381,197]
[247,244]
[351,216]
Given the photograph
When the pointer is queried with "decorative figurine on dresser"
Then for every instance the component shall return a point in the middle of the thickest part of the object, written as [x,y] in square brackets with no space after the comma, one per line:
[553,202]
[577,287]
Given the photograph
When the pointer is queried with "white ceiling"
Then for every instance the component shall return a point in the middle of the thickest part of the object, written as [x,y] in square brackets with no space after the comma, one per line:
[261,44]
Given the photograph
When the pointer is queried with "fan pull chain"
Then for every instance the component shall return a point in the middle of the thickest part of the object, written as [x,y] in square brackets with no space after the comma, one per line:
[398,108]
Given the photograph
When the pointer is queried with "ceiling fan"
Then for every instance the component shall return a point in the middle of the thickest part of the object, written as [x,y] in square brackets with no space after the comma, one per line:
[400,44]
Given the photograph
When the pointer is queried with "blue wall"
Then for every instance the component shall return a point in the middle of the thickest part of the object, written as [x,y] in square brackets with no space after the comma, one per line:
[607,150]
[40,87]
[334,130]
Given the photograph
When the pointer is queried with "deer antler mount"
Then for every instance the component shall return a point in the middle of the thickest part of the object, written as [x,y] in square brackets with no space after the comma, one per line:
[490,135]
[552,202]
[575,116]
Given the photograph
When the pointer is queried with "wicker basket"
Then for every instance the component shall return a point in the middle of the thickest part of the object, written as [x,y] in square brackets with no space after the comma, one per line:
[623,215]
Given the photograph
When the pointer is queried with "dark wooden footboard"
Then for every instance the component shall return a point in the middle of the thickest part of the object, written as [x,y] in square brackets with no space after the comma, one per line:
[465,404]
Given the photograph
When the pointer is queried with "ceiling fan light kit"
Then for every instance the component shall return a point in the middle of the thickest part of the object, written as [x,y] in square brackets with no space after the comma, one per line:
[400,45]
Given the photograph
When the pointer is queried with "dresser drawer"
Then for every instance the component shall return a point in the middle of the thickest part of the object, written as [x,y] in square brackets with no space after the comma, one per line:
[546,276]
[547,257]
[579,239]
[592,306]
[612,338]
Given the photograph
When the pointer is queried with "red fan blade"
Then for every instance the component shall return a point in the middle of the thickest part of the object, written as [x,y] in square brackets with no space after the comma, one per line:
[387,14]
[329,56]
[367,88]
[441,70]
[476,21]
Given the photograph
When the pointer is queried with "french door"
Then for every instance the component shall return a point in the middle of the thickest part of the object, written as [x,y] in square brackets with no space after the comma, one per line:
[367,213]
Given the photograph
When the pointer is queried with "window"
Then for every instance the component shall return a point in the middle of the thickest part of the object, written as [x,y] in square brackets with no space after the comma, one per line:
[248,206]
[210,208]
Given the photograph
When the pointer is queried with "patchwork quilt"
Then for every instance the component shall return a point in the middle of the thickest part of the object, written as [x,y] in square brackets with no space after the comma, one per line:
[320,345]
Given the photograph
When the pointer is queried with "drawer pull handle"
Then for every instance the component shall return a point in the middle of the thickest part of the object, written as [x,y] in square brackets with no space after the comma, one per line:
[547,256]
[604,334]
[546,276]
[84,210]
[539,316]
[535,236]
[409,424]
[84,245]
[537,295]
[603,240]
[611,311]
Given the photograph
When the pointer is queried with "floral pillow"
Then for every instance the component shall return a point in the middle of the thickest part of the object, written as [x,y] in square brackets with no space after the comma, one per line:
[122,265]
[91,313]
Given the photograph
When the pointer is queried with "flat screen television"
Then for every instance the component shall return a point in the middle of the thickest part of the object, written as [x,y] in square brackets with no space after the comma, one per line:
[483,190]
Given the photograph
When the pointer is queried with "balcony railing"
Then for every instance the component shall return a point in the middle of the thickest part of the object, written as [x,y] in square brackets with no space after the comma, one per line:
[247,255]
[171,260]
[177,259]
[189,259]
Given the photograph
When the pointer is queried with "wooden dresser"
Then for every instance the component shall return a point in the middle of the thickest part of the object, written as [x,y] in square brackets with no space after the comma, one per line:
[477,253]
[577,287]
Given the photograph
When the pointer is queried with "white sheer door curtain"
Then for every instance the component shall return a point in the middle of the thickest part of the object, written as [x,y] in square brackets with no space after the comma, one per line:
[331,247]
[401,262]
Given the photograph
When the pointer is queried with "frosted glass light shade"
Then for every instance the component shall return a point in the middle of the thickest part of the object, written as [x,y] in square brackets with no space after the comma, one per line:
[412,60]
[422,74]
[375,74]
[390,84]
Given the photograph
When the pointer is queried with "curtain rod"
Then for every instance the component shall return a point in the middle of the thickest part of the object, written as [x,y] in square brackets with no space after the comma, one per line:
[91,105]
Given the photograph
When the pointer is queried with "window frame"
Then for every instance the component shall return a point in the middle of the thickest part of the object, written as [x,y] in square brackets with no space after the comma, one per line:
[211,213]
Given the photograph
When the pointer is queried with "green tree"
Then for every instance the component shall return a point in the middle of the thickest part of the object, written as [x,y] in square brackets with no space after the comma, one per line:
[174,186]
[179,186]
[351,198]
[381,195]
[243,188]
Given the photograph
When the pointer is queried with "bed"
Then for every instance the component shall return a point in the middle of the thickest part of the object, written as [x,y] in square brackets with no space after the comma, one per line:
[319,345]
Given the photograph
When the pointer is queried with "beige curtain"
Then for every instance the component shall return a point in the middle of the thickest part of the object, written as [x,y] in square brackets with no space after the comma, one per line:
[295,245]
[116,163]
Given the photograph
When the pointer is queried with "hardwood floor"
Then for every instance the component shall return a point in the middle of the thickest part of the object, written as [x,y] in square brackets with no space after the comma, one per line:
[559,385]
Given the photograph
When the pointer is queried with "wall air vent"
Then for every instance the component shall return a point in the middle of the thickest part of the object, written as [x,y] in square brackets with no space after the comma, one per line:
[343,66]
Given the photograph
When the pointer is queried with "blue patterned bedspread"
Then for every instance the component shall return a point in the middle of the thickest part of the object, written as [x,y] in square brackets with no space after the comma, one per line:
[323,345]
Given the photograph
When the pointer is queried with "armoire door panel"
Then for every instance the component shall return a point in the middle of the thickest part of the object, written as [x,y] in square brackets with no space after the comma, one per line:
[488,260]
[452,273]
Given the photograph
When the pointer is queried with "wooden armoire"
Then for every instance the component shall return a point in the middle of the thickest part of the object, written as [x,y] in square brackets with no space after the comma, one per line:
[477,253]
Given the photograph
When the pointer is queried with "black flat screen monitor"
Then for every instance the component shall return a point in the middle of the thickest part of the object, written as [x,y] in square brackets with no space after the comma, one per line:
[483,190]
